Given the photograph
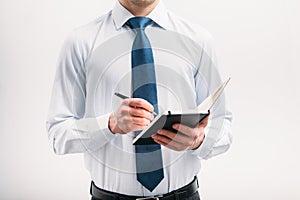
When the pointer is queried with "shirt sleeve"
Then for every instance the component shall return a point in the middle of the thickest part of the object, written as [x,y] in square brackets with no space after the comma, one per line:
[218,135]
[68,130]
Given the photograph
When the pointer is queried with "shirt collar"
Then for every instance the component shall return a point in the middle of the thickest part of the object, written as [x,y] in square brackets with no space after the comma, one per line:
[159,15]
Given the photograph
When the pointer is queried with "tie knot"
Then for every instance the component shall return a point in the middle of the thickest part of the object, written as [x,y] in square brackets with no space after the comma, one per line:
[139,22]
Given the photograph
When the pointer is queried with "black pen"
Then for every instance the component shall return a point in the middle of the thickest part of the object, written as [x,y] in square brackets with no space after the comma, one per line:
[126,97]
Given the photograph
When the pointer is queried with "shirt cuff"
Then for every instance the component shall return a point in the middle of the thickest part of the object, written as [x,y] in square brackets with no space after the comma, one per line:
[103,121]
[206,147]
[94,132]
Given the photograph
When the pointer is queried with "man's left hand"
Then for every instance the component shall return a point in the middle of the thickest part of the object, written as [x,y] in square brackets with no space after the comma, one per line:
[185,139]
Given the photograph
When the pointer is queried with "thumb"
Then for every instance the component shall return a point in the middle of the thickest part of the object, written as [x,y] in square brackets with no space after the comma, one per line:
[204,122]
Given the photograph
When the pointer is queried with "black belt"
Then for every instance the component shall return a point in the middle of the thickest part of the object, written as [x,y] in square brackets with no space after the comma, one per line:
[179,194]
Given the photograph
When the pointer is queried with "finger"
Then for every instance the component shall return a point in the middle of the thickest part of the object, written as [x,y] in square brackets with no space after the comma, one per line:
[138,112]
[188,131]
[165,140]
[177,137]
[129,121]
[126,102]
[139,121]
[204,122]
[141,103]
[138,128]
[173,146]
[127,125]
[167,145]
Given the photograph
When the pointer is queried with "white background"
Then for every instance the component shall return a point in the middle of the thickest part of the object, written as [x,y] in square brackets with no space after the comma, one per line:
[258,46]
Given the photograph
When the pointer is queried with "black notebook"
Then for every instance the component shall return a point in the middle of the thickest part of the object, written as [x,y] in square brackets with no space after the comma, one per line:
[189,118]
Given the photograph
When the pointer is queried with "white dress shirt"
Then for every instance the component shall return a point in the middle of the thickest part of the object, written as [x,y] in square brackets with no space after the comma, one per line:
[95,62]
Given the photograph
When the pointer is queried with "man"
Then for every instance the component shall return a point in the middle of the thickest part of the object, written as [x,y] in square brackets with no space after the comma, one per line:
[144,51]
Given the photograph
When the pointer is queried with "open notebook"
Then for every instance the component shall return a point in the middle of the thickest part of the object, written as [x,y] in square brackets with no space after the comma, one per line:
[189,118]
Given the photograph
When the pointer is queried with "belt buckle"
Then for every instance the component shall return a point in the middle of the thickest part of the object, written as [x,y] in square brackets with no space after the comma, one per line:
[149,198]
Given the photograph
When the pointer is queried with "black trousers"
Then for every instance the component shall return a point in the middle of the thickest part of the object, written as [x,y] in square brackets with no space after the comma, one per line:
[195,196]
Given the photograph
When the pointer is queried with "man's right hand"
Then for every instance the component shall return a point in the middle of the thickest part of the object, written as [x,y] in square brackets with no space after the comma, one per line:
[133,114]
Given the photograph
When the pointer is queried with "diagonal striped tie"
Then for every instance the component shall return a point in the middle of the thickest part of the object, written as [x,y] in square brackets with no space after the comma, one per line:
[149,165]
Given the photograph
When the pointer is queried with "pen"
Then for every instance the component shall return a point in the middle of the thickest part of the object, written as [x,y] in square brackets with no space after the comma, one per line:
[125,97]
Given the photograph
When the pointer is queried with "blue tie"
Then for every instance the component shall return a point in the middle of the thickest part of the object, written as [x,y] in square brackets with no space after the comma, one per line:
[149,165]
